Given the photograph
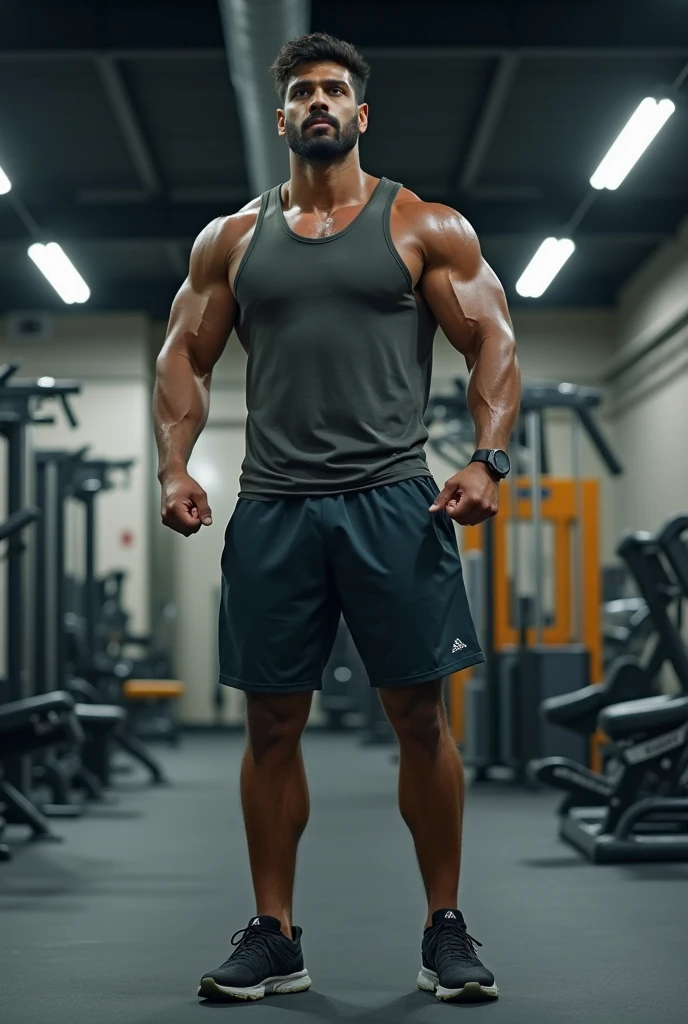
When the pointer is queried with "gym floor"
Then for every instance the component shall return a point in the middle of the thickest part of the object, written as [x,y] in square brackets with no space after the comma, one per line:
[120,921]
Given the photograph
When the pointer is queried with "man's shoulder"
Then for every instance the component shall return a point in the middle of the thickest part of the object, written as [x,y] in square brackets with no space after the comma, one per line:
[434,215]
[222,235]
[233,226]
[439,229]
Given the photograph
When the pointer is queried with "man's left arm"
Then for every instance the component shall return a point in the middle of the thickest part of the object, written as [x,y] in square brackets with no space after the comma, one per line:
[469,304]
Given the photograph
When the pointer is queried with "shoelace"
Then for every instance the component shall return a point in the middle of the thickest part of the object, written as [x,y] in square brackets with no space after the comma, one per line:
[253,940]
[453,940]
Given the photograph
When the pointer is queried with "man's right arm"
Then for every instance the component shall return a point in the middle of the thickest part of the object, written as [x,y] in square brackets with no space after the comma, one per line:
[200,323]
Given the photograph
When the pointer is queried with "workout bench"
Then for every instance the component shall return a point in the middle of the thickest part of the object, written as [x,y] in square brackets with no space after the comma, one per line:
[152,707]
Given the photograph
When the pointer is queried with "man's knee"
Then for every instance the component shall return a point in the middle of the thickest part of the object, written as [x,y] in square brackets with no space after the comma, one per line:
[416,713]
[276,721]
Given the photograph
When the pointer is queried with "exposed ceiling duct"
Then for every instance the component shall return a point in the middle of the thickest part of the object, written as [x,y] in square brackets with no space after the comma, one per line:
[254,32]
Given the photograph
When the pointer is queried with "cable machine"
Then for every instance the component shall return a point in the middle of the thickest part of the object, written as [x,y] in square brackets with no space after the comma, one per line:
[533,581]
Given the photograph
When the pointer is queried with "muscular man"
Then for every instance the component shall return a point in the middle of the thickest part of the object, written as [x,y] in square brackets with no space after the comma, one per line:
[335,282]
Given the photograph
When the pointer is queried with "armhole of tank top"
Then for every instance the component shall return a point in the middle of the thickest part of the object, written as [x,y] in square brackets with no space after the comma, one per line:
[264,199]
[386,218]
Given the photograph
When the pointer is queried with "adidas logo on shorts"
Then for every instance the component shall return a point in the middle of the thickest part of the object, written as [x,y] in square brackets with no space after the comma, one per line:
[458,646]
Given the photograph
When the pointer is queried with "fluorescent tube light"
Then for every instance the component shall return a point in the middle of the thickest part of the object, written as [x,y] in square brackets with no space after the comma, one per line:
[544,267]
[54,264]
[634,139]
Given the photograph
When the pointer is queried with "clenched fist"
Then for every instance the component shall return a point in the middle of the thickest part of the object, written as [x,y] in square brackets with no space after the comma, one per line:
[469,497]
[184,504]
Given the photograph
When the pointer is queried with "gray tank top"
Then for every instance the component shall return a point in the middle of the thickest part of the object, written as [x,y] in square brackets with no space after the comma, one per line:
[339,356]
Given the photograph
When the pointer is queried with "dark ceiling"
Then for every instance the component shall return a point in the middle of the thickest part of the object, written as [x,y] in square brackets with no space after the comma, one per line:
[119,131]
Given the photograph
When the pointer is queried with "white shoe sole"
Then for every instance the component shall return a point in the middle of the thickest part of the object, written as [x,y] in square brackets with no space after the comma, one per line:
[277,986]
[472,991]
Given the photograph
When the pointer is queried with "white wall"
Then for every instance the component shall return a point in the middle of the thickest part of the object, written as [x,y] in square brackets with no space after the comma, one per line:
[657,295]
[109,355]
[649,399]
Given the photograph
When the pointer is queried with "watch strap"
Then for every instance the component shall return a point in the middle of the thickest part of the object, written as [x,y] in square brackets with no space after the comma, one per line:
[484,455]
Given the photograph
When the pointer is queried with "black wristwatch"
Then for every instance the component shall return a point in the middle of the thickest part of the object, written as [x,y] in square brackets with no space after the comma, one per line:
[496,459]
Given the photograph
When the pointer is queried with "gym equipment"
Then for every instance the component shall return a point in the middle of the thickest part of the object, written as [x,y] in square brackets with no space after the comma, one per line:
[652,739]
[550,649]
[27,726]
[61,476]
[79,647]
[21,403]
[114,637]
[628,679]
[639,809]
[152,707]
[63,767]
[626,627]
[670,541]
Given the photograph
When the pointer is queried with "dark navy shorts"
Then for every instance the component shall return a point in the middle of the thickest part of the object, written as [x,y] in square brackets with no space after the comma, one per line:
[391,567]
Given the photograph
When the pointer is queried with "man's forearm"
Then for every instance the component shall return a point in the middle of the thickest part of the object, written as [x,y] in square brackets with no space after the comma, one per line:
[494,392]
[181,402]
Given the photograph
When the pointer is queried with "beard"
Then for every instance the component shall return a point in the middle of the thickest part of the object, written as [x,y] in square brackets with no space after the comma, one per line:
[323,148]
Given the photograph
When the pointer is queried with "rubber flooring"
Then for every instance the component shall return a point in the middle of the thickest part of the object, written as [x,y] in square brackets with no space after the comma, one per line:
[118,922]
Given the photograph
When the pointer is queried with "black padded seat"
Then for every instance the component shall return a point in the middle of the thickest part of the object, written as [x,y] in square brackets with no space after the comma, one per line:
[672,530]
[570,707]
[37,722]
[100,717]
[625,681]
[648,715]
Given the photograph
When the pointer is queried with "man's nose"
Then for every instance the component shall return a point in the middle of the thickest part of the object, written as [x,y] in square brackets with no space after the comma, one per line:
[319,101]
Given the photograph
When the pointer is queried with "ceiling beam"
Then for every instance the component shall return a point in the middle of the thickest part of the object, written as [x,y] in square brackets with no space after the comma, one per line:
[124,196]
[156,24]
[534,52]
[488,119]
[216,53]
[129,123]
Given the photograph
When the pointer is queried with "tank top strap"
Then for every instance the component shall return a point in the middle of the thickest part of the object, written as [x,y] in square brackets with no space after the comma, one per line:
[273,203]
[384,195]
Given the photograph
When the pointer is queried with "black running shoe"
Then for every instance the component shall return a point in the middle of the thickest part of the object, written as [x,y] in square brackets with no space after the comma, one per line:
[450,967]
[264,963]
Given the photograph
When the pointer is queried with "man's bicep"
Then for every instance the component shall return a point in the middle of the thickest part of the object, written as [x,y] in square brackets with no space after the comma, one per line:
[204,309]
[201,323]
[463,292]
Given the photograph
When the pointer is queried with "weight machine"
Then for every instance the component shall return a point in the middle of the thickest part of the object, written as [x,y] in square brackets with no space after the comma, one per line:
[71,642]
[21,402]
[531,652]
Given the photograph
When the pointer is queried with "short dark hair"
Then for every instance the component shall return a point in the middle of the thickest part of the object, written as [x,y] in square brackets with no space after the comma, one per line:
[318,46]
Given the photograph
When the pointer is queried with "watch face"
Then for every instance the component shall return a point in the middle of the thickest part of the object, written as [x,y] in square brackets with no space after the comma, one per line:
[501,462]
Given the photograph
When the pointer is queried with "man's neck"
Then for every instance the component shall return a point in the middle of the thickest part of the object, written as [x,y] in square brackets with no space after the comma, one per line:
[326,187]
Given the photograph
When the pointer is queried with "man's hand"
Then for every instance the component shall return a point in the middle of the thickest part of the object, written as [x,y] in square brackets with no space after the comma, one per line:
[470,497]
[184,505]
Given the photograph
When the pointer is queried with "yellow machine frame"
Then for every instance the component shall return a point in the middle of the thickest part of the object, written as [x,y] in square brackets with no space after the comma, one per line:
[559,506]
